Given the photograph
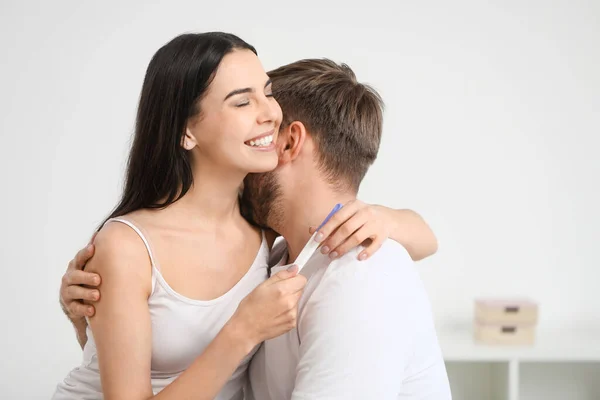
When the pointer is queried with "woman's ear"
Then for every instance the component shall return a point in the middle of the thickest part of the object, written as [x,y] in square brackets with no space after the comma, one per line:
[292,141]
[188,141]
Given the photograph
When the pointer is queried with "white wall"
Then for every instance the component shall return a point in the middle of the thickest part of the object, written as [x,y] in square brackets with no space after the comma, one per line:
[492,133]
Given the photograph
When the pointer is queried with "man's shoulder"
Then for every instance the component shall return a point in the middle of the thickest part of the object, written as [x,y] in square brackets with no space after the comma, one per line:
[389,252]
[390,257]
[387,268]
[388,279]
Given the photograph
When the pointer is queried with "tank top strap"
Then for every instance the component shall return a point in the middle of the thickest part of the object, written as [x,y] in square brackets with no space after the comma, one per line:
[155,266]
[140,234]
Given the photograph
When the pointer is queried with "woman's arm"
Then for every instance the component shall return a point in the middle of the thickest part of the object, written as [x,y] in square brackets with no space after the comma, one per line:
[122,328]
[121,324]
[359,223]
[410,230]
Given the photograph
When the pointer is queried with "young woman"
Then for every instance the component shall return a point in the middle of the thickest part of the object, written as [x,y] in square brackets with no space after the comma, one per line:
[184,295]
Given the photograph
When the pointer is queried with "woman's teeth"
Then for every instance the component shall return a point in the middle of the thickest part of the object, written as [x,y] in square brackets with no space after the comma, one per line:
[262,142]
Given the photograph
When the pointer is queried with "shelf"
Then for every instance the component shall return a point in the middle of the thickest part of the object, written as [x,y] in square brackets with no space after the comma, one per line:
[576,345]
[559,381]
[562,364]
[479,380]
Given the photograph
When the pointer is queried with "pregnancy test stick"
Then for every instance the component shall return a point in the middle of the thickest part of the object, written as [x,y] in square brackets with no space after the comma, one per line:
[312,245]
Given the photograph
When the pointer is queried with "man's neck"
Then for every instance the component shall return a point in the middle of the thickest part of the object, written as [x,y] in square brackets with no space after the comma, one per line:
[308,209]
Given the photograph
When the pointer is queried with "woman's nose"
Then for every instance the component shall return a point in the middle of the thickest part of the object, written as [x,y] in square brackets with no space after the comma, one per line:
[270,111]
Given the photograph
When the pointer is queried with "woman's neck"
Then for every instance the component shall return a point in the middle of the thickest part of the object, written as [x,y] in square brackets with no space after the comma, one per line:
[211,201]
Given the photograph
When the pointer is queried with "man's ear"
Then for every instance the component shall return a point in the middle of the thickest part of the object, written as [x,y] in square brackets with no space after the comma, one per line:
[294,136]
[188,141]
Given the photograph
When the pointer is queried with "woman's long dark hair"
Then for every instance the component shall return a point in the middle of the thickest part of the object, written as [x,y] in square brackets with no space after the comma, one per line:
[159,170]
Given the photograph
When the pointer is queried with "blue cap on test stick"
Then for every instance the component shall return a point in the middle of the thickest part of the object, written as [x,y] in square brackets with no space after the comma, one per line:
[335,209]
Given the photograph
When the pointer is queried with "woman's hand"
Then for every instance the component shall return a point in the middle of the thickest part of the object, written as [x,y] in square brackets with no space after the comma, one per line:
[354,224]
[370,225]
[271,309]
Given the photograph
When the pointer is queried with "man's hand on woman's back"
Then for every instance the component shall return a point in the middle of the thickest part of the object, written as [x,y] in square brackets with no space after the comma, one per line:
[79,287]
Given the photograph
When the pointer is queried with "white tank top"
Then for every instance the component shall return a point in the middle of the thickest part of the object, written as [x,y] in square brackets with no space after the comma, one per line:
[181,330]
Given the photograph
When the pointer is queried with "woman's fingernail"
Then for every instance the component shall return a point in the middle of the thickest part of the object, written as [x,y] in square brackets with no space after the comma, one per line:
[362,257]
[292,268]
[324,250]
[319,237]
[95,295]
[95,281]
[333,255]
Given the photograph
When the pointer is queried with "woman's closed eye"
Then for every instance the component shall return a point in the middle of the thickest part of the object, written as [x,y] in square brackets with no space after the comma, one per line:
[246,102]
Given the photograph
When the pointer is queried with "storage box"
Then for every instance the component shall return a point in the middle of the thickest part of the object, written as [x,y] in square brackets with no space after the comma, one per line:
[505,334]
[506,311]
[505,321]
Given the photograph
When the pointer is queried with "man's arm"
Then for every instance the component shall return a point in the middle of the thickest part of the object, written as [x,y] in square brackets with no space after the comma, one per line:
[358,329]
[81,331]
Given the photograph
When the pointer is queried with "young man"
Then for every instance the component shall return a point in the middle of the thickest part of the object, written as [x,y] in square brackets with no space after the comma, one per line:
[365,329]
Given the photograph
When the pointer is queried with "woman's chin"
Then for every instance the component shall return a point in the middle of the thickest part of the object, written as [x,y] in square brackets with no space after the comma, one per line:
[267,163]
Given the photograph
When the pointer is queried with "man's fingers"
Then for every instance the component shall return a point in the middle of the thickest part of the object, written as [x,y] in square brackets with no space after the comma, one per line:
[78,277]
[79,310]
[93,238]
[83,256]
[76,293]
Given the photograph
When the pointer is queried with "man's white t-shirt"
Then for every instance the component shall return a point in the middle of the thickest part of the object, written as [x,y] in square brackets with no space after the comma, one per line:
[365,331]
